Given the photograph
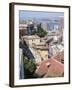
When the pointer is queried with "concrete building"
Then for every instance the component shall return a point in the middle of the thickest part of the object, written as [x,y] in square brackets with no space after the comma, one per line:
[42,51]
[39,49]
[44,25]
[22,29]
[30,40]
[56,27]
[55,48]
[61,23]
[23,26]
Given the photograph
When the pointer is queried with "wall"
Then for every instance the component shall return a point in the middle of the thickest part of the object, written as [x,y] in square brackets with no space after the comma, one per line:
[4,44]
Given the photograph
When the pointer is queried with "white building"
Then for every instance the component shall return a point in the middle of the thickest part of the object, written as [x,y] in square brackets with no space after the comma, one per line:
[44,26]
[56,27]
[54,49]
[30,40]
[22,26]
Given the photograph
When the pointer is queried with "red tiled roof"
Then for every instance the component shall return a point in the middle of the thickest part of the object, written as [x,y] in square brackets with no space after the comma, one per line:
[59,56]
[54,68]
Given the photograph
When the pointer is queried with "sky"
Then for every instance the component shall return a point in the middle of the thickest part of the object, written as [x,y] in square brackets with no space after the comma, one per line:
[39,14]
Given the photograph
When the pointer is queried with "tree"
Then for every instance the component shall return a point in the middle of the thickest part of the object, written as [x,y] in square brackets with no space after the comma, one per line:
[40,31]
[29,67]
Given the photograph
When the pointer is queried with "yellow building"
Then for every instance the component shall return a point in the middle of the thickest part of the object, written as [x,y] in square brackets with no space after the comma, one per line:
[39,49]
[42,51]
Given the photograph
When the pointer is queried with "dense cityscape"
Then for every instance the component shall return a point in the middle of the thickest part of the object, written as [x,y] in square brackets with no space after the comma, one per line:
[41,47]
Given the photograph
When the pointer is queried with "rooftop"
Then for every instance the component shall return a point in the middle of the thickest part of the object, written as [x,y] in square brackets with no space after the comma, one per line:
[56,48]
[31,37]
[60,57]
[41,46]
[50,68]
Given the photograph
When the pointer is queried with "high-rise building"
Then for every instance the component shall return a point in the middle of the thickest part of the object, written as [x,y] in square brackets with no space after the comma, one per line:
[61,23]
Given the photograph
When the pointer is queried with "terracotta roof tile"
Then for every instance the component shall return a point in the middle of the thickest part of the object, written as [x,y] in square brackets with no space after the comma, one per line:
[53,69]
[60,56]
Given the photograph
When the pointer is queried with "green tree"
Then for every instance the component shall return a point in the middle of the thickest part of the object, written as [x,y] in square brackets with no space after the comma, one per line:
[40,31]
[29,67]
